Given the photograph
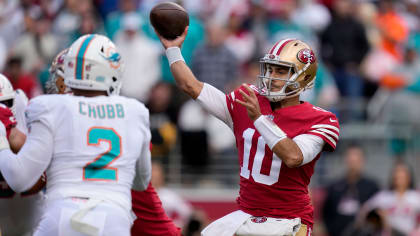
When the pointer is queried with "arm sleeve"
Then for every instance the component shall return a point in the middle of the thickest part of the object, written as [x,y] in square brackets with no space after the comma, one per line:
[310,146]
[21,171]
[214,101]
[144,163]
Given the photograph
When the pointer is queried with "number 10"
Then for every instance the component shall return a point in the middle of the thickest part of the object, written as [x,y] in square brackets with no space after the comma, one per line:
[258,160]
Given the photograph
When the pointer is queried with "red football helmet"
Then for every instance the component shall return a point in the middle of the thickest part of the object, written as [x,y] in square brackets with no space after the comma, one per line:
[55,83]
[301,61]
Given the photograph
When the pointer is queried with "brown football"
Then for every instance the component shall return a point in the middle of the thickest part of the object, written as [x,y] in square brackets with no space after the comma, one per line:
[169,19]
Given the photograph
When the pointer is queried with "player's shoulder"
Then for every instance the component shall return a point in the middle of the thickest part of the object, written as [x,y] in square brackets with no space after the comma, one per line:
[42,106]
[20,94]
[318,114]
[133,104]
[134,107]
[42,101]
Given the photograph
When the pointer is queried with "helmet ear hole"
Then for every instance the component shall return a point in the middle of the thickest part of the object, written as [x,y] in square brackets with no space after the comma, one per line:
[114,79]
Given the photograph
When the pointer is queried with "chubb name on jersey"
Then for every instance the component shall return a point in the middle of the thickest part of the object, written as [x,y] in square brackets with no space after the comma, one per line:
[101,111]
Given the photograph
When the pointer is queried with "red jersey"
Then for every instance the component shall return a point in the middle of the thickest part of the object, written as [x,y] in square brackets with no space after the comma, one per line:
[151,218]
[267,187]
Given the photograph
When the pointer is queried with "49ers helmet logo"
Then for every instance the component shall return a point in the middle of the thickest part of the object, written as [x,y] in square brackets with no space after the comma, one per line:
[306,55]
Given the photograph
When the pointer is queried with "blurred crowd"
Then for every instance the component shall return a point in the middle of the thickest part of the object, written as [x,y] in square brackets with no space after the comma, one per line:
[367,50]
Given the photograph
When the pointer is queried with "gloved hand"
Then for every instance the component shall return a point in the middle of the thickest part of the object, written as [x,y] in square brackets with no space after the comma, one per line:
[7,118]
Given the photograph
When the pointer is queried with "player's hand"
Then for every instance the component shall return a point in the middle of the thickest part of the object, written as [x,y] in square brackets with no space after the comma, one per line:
[175,42]
[250,101]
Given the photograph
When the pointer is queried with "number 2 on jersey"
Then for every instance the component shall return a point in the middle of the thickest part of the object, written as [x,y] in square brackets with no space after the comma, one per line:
[274,175]
[98,169]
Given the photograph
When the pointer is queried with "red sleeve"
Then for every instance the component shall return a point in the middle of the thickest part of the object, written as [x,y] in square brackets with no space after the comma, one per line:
[151,218]
[328,129]
[7,118]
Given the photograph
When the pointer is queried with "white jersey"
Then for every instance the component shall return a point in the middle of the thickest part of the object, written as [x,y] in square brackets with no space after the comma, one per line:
[97,143]
[20,103]
[402,211]
[19,213]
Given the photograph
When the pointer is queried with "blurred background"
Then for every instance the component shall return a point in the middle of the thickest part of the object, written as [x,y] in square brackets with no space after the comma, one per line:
[369,76]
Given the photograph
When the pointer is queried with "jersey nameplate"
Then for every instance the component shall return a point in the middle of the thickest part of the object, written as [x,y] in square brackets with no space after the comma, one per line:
[101,111]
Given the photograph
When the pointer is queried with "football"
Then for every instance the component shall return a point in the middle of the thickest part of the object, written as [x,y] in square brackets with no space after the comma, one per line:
[169,19]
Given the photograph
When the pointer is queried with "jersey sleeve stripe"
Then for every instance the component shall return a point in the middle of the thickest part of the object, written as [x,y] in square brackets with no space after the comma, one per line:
[329,132]
[326,126]
[230,99]
[331,140]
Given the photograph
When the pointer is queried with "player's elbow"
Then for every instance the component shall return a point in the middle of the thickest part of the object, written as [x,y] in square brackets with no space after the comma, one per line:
[293,161]
[16,182]
[189,89]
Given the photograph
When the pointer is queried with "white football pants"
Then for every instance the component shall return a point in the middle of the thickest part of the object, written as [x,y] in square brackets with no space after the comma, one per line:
[72,216]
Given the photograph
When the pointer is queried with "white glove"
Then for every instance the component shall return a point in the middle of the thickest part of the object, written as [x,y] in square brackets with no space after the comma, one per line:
[4,143]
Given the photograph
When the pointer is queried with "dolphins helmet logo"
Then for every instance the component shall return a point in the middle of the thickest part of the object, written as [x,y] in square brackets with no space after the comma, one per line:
[112,56]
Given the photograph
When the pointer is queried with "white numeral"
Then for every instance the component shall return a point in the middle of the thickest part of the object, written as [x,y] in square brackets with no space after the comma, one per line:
[270,179]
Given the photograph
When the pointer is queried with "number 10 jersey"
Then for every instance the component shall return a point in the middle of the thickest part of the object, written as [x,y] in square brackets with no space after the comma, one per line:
[267,186]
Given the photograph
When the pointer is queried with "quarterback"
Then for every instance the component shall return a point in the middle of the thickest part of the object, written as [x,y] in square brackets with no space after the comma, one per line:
[93,145]
[279,138]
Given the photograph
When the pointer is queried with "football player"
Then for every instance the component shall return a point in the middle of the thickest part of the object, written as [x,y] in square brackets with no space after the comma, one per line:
[19,212]
[151,217]
[94,146]
[279,138]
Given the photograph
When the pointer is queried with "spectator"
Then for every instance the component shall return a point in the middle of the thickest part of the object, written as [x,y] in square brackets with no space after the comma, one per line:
[311,14]
[3,53]
[113,22]
[400,204]
[141,59]
[239,39]
[11,21]
[21,80]
[178,209]
[37,47]
[394,101]
[213,62]
[345,196]
[344,45]
[162,120]
[90,23]
[194,143]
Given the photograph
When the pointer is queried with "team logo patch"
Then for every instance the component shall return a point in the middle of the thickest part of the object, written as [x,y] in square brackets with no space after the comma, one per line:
[259,220]
[112,56]
[306,55]
[271,57]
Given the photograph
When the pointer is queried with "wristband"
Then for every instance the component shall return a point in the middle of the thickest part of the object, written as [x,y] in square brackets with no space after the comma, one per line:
[270,132]
[174,54]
